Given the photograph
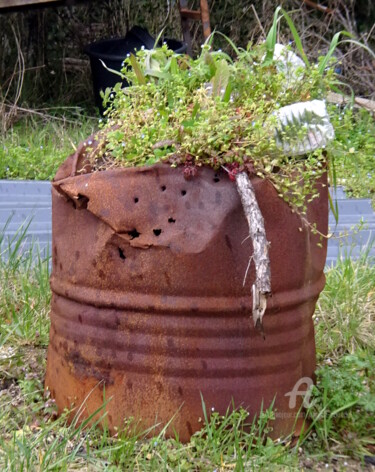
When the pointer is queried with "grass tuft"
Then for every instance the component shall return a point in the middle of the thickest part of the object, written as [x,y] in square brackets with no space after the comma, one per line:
[345,313]
[34,148]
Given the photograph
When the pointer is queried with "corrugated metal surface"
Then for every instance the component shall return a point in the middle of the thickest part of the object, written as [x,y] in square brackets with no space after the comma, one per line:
[347,241]
[23,200]
[26,202]
[148,297]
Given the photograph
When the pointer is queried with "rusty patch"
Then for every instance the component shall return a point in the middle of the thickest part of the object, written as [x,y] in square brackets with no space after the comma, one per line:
[149,296]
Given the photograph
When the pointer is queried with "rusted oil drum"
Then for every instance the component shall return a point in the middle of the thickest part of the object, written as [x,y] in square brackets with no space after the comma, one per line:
[148,297]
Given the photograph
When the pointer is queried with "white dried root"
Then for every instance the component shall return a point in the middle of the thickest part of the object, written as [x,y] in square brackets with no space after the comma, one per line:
[261,288]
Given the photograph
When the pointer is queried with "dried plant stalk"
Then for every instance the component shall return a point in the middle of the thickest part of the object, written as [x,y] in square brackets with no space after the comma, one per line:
[261,288]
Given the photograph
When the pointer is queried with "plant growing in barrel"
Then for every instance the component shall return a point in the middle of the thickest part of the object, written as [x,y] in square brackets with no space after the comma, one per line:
[201,203]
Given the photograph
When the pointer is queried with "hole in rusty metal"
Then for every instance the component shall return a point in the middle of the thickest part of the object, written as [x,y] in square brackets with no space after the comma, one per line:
[216,179]
[183,192]
[133,233]
[163,188]
[81,202]
[136,200]
[121,254]
[157,232]
[171,220]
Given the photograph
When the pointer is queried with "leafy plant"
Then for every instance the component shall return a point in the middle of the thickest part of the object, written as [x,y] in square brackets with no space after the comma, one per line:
[217,111]
[345,313]
[243,116]
[343,405]
[25,293]
[354,151]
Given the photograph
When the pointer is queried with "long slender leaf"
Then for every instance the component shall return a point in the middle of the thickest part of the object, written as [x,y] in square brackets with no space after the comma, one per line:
[208,59]
[112,70]
[271,37]
[296,37]
[138,72]
[332,48]
[227,93]
[228,40]
[333,180]
[339,91]
[361,45]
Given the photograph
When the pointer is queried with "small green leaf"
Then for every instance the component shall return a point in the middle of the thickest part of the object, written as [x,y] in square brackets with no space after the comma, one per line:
[220,79]
[208,59]
[227,93]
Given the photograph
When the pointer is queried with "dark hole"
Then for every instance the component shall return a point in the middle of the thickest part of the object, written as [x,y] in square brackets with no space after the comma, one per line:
[183,192]
[121,254]
[136,200]
[81,202]
[133,233]
[163,188]
[171,220]
[216,179]
[157,232]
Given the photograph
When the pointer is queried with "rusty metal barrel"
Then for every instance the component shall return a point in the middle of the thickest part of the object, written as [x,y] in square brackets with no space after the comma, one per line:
[148,301]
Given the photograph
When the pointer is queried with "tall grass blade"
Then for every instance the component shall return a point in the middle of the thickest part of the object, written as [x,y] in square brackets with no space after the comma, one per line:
[271,37]
[296,37]
[331,50]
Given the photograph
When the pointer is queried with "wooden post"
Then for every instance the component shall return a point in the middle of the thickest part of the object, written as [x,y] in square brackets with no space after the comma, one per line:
[186,15]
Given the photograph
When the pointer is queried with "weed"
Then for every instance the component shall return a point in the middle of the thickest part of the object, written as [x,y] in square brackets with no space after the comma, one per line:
[343,406]
[35,148]
[24,292]
[345,313]
[354,151]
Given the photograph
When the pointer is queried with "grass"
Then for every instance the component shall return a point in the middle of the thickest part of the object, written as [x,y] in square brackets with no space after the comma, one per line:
[34,148]
[341,418]
[345,313]
[354,151]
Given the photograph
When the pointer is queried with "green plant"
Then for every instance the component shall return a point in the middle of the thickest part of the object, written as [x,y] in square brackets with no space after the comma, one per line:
[36,147]
[211,111]
[343,405]
[354,151]
[232,115]
[24,292]
[221,112]
[345,313]
[232,441]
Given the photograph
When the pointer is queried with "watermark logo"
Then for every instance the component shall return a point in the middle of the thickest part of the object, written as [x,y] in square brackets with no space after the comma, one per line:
[296,392]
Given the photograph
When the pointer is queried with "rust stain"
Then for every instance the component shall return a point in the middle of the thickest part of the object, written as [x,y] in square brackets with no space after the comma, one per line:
[148,298]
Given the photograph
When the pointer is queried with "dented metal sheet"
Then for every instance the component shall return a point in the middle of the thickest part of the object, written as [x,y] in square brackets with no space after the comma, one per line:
[148,296]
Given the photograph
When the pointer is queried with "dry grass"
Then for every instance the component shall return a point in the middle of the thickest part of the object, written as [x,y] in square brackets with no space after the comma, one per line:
[48,44]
